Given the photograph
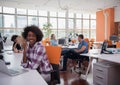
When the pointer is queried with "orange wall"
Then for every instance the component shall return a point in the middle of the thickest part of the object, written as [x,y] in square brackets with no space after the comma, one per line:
[100,24]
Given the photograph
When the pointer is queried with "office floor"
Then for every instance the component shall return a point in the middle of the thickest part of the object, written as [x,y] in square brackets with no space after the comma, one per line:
[72,78]
[68,78]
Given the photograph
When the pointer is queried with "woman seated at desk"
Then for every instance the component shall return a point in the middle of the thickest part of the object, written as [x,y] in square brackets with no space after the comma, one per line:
[53,40]
[34,54]
[17,48]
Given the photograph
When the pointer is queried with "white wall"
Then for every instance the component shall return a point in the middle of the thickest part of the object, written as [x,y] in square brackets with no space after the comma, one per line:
[117,14]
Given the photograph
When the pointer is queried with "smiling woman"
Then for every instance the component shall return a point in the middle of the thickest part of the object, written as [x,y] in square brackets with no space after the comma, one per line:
[34,55]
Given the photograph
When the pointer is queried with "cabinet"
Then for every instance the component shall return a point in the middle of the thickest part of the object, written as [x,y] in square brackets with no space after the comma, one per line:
[106,73]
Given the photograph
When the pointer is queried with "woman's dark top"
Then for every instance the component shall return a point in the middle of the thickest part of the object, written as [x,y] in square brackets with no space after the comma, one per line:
[17,46]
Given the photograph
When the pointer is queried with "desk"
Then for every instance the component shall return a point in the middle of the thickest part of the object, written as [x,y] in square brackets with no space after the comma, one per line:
[95,54]
[32,77]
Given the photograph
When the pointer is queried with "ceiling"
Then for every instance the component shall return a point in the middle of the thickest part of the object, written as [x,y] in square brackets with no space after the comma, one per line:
[62,5]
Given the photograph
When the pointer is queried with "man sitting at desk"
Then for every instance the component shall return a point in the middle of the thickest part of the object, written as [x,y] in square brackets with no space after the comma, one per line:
[75,53]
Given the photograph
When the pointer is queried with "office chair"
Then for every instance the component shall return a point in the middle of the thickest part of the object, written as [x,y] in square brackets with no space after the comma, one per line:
[54,54]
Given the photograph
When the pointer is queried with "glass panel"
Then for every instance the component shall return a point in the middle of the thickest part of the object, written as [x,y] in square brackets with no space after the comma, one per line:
[85,24]
[93,33]
[42,13]
[0,20]
[32,12]
[53,14]
[79,31]
[93,24]
[78,15]
[33,21]
[21,21]
[71,15]
[78,24]
[8,10]
[19,31]
[21,11]
[53,21]
[61,33]
[86,16]
[0,9]
[93,16]
[9,20]
[70,23]
[2,32]
[61,14]
[86,33]
[9,33]
[61,23]
[42,21]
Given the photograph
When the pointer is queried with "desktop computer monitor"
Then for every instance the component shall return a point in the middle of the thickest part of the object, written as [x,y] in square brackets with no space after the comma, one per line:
[104,46]
[62,41]
[1,43]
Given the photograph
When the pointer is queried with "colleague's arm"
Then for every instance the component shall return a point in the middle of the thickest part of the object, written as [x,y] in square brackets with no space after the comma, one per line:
[80,50]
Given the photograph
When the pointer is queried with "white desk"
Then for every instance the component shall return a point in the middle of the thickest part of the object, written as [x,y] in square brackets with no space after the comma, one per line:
[32,77]
[95,54]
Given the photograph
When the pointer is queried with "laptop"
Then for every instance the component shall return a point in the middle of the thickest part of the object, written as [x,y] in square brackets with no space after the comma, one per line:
[104,49]
[11,72]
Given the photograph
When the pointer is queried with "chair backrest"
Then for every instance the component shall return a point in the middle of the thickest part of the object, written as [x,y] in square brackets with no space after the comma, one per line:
[117,44]
[53,53]
[109,42]
[45,42]
[86,40]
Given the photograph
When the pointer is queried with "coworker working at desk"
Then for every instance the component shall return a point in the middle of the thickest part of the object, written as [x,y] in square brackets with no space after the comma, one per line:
[53,40]
[34,54]
[75,53]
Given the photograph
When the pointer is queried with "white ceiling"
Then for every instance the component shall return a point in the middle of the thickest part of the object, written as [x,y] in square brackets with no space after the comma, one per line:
[59,5]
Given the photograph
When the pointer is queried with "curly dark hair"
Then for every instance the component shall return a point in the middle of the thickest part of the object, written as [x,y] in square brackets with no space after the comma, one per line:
[35,30]
[14,37]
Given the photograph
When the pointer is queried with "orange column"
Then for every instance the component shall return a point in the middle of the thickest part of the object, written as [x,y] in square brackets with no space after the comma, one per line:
[100,24]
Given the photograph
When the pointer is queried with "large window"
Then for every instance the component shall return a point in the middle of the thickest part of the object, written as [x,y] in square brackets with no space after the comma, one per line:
[0,20]
[0,9]
[14,18]
[61,14]
[21,21]
[61,23]
[79,24]
[8,10]
[42,13]
[33,20]
[53,14]
[9,21]
[86,24]
[32,12]
[42,21]
[70,23]
[53,21]
[21,11]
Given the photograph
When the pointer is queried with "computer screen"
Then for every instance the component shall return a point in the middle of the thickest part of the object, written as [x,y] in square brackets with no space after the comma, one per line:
[104,46]
[62,41]
[1,43]
[114,38]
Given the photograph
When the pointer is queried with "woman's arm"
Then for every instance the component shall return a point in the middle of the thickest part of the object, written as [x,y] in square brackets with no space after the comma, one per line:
[24,52]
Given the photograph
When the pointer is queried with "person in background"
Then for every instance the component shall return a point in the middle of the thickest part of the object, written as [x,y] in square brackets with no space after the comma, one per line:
[17,48]
[34,54]
[75,53]
[53,40]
